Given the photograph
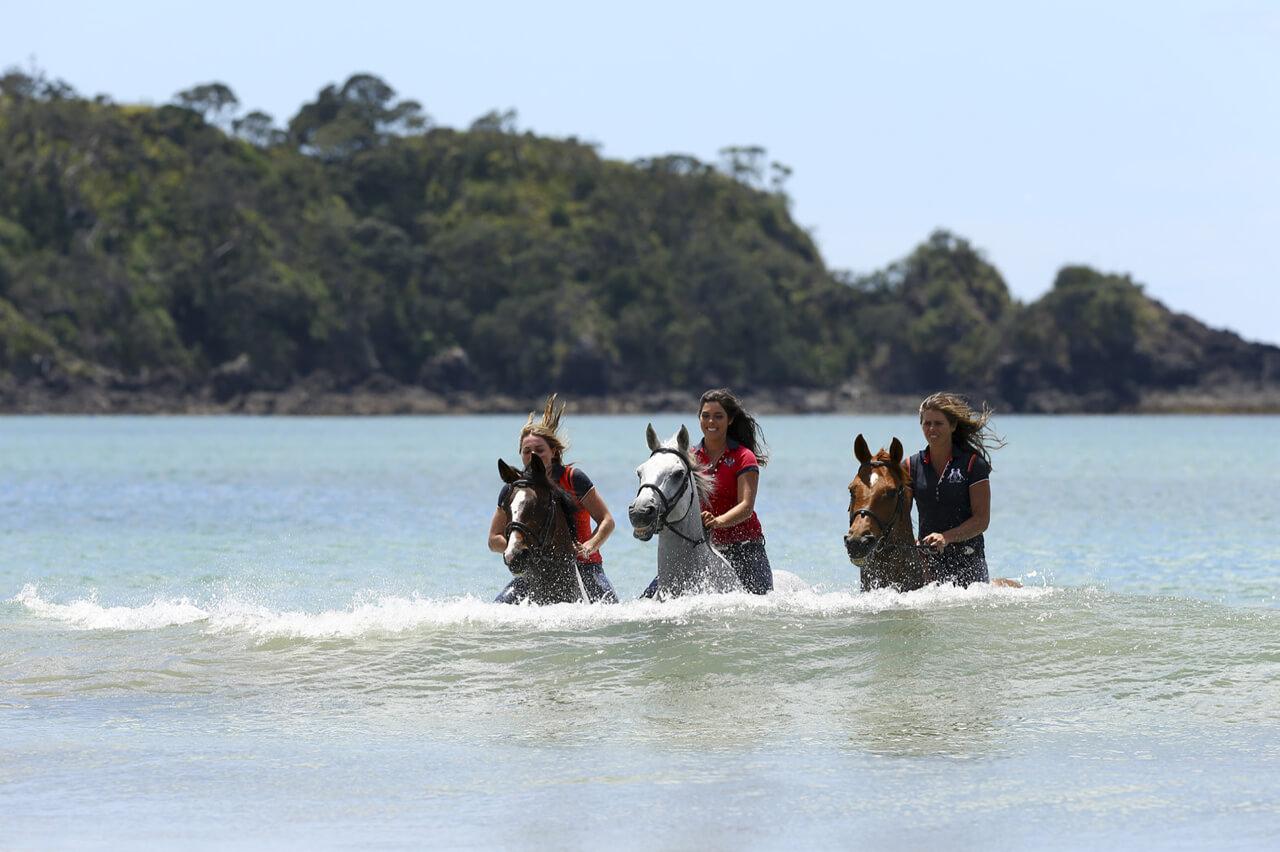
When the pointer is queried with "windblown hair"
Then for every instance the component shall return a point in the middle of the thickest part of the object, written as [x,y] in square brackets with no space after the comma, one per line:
[973,429]
[743,428]
[548,429]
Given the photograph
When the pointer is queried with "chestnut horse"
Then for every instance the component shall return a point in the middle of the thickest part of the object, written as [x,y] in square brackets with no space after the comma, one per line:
[880,540]
[540,543]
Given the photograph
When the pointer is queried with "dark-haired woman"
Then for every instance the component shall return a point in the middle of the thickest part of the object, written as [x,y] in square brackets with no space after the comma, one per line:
[543,439]
[733,450]
[951,481]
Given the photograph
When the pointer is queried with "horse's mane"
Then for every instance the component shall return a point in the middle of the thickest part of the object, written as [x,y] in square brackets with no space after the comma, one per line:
[703,482]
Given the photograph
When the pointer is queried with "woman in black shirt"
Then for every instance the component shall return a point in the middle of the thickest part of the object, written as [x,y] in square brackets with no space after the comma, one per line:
[951,480]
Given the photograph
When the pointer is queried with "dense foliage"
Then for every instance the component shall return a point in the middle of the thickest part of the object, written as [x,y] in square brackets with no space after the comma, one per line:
[183,244]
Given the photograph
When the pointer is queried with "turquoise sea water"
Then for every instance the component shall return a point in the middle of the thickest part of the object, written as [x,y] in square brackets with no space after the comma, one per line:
[276,633]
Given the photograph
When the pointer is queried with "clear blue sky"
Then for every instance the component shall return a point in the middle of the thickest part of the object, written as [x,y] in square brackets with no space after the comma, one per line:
[1138,137]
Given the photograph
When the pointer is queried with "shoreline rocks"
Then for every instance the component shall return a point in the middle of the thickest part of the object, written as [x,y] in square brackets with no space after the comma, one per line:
[382,396]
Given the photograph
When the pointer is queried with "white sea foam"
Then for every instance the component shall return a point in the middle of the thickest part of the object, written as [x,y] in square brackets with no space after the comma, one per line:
[88,614]
[392,614]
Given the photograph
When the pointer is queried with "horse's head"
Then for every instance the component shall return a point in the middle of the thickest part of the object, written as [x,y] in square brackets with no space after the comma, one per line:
[672,483]
[879,499]
[538,516]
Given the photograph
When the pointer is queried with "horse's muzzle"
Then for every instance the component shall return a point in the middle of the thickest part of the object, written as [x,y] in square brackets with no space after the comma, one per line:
[644,519]
[859,547]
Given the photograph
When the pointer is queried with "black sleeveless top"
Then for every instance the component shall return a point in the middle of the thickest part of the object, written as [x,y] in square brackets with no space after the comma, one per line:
[942,502]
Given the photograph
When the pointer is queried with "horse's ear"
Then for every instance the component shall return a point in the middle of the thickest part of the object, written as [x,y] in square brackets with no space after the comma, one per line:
[860,450]
[652,437]
[507,472]
[682,439]
[537,468]
[895,452]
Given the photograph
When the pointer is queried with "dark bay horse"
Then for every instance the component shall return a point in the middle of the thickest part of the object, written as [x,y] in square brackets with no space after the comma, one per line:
[540,543]
[880,540]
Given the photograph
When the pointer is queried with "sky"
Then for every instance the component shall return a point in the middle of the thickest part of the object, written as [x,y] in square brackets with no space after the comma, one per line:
[1135,137]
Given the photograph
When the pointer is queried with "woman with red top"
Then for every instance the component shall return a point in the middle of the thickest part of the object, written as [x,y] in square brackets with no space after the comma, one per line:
[544,441]
[733,449]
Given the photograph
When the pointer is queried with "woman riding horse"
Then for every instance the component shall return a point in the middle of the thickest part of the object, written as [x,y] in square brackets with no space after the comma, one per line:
[543,440]
[733,450]
[951,480]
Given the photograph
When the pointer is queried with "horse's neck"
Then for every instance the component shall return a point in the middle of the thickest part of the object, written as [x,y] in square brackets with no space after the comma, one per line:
[900,557]
[679,543]
[558,558]
[677,535]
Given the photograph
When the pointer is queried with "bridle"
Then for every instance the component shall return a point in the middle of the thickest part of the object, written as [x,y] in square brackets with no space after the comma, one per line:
[665,504]
[544,535]
[548,527]
[885,529]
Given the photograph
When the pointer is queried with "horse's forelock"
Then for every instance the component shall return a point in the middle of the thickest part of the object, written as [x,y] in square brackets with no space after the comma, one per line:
[703,481]
[899,475]
[566,500]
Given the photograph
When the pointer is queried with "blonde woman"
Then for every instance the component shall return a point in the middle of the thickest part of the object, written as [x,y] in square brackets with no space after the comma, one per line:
[592,523]
[951,480]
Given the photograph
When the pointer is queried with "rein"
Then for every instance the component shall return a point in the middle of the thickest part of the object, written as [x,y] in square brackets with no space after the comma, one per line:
[665,504]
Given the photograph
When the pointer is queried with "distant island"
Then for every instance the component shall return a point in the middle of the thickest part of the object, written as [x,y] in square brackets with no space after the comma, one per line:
[193,257]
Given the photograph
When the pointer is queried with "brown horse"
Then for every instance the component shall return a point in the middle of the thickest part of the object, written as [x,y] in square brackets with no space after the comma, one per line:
[540,551]
[880,540]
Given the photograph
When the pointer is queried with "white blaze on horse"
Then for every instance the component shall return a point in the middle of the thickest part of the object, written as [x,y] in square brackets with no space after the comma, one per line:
[674,486]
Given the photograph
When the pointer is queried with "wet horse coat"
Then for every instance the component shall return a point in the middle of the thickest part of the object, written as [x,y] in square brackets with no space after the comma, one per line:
[540,543]
[880,540]
[667,503]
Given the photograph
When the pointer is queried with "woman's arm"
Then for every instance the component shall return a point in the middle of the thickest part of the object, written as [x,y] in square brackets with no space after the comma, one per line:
[594,504]
[498,531]
[980,503]
[748,483]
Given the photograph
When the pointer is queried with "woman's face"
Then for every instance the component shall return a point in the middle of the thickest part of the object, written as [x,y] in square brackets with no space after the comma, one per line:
[535,445]
[714,421]
[935,425]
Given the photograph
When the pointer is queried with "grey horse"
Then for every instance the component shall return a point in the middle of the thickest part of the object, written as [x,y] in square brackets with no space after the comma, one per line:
[667,503]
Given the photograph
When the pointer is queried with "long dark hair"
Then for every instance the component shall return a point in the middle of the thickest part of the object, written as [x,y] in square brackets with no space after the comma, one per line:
[743,428]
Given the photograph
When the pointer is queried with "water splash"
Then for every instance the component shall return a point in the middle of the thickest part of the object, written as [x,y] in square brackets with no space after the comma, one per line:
[391,614]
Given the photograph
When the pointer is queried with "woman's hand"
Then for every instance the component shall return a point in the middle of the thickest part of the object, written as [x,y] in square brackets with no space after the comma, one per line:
[935,540]
[586,548]
[710,521]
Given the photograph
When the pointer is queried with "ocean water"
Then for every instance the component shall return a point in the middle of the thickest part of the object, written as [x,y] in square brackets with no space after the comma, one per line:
[276,633]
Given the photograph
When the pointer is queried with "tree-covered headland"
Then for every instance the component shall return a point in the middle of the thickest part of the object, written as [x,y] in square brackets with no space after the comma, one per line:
[197,250]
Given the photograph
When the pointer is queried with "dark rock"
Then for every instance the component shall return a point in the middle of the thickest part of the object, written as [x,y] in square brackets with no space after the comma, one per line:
[233,378]
[448,371]
[586,369]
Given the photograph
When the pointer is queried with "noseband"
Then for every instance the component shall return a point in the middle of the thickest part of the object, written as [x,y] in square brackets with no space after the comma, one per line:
[513,525]
[665,505]
[885,529]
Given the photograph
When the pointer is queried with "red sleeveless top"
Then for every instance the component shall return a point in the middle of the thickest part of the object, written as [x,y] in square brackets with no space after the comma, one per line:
[581,520]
